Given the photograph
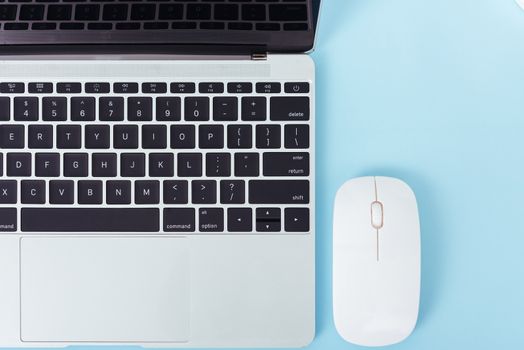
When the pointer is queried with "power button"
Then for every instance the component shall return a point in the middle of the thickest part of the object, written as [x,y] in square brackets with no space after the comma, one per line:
[296,88]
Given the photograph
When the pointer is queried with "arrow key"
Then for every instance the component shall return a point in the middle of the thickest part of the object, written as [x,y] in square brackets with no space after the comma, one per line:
[239,220]
[296,219]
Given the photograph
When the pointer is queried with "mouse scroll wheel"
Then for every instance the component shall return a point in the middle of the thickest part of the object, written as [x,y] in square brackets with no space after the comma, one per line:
[377,215]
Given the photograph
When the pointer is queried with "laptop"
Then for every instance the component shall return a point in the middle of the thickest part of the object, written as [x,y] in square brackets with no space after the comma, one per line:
[157,173]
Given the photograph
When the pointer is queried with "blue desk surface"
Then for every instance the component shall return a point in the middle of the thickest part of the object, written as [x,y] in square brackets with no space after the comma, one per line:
[431,92]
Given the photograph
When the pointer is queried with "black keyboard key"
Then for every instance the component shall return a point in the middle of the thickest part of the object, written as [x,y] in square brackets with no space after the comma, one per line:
[232,192]
[61,192]
[211,88]
[82,109]
[267,26]
[239,219]
[204,192]
[268,136]
[175,192]
[182,136]
[1,164]
[246,164]
[268,88]
[125,136]
[16,26]
[118,192]
[147,192]
[295,26]
[139,109]
[87,12]
[268,219]
[97,88]
[239,136]
[189,164]
[26,109]
[71,26]
[115,12]
[8,12]
[12,136]
[43,26]
[8,192]
[212,25]
[225,108]
[12,88]
[211,219]
[40,88]
[125,88]
[143,12]
[5,109]
[90,220]
[90,192]
[254,108]
[68,136]
[59,12]
[239,88]
[240,26]
[8,220]
[279,191]
[211,136]
[99,26]
[32,192]
[40,136]
[218,164]
[47,164]
[161,165]
[18,164]
[111,109]
[154,136]
[182,88]
[288,12]
[296,219]
[196,108]
[296,88]
[69,88]
[296,136]
[128,26]
[179,220]
[285,164]
[168,109]
[225,12]
[103,165]
[289,108]
[154,88]
[54,109]
[170,11]
[254,12]
[132,165]
[198,11]
[31,12]
[97,136]
[75,164]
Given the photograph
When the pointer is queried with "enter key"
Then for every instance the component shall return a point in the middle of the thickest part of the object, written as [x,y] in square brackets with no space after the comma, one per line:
[286,164]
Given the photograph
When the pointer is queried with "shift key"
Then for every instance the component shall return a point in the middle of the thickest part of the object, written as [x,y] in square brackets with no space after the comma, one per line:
[279,191]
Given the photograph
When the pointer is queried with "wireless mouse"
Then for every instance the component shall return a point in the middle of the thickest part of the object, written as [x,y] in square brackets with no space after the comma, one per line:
[376,261]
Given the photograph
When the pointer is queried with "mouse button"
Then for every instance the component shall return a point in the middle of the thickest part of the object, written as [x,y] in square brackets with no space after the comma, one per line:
[377,215]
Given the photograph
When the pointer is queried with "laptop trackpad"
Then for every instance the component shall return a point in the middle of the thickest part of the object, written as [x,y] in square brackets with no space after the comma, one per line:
[105,289]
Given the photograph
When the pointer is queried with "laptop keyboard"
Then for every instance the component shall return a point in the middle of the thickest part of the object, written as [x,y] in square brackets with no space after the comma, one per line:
[137,156]
[264,15]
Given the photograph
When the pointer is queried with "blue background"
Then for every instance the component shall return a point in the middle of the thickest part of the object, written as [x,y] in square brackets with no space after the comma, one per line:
[431,92]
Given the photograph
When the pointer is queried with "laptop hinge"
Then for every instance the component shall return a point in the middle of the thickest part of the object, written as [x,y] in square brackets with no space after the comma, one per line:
[259,56]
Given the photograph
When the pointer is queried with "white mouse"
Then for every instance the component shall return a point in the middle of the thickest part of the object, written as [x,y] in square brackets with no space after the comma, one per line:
[376,261]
